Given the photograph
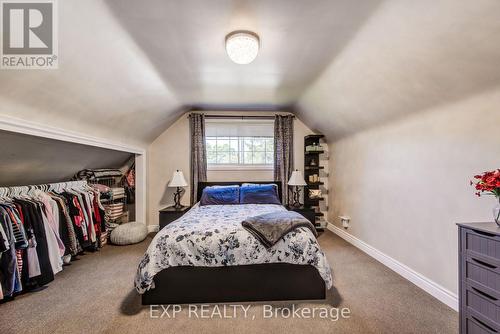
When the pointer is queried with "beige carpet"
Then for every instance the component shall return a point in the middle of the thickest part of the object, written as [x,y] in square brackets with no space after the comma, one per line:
[95,295]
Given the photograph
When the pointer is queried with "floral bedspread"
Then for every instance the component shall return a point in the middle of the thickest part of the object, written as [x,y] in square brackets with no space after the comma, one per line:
[212,236]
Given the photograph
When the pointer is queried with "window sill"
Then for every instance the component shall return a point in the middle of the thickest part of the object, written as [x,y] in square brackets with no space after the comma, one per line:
[239,167]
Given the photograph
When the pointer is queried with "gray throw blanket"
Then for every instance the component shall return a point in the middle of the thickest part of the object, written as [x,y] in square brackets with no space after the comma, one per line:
[269,228]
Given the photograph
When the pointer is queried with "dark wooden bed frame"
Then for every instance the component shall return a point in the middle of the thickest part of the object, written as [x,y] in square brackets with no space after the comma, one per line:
[248,283]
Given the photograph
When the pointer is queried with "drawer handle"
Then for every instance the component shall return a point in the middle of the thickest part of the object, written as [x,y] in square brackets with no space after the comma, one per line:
[491,266]
[486,234]
[485,325]
[484,294]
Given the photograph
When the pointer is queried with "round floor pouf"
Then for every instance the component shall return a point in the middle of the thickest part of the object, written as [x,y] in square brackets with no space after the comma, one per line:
[128,234]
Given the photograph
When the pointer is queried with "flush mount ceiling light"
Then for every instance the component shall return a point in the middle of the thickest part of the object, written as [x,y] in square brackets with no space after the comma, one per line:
[242,46]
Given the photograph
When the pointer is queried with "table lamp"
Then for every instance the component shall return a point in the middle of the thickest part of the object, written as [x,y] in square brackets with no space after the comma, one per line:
[296,181]
[177,181]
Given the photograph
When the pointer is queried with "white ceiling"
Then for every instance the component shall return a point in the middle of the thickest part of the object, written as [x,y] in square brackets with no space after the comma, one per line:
[105,85]
[128,69]
[184,40]
[409,56]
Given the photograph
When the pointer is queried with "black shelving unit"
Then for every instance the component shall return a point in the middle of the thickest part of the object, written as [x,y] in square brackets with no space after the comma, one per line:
[312,166]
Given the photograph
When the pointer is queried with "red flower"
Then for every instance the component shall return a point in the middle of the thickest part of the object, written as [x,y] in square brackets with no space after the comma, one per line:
[488,182]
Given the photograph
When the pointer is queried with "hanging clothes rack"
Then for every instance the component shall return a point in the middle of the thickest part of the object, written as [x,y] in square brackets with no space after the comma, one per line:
[59,186]
[43,227]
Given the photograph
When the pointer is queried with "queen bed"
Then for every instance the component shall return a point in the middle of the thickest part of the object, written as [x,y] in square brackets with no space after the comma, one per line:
[206,256]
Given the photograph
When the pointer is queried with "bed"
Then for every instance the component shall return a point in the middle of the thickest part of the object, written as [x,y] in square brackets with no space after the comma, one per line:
[206,256]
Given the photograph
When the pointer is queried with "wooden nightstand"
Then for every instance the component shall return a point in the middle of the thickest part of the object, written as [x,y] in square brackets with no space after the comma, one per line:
[308,213]
[171,214]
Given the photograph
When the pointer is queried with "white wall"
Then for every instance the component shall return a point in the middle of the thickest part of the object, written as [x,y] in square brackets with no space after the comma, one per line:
[406,183]
[37,160]
[170,151]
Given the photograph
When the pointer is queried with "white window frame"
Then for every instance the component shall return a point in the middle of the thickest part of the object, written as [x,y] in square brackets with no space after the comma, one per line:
[246,134]
[241,151]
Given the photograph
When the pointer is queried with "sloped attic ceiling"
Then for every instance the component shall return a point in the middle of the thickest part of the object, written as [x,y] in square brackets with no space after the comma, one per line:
[128,69]
[185,42]
[105,85]
[409,56]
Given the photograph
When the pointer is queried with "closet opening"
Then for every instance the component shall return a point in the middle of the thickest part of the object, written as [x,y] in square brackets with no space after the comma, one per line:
[36,160]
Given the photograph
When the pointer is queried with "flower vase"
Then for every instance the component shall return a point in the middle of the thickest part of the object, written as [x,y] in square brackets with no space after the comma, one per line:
[496,212]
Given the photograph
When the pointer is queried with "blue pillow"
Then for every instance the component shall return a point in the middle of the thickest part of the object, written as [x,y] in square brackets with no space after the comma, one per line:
[220,195]
[259,194]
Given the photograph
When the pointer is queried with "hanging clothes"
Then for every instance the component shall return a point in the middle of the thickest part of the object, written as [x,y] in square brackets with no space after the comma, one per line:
[8,261]
[67,230]
[43,227]
[34,220]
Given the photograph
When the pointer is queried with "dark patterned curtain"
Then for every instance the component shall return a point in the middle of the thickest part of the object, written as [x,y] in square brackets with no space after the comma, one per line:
[198,153]
[283,151]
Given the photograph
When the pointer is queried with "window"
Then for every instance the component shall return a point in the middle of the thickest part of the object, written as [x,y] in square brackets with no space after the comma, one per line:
[240,150]
[242,144]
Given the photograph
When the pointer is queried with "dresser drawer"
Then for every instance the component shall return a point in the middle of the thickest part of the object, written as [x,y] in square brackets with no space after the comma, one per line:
[474,325]
[481,273]
[483,303]
[482,243]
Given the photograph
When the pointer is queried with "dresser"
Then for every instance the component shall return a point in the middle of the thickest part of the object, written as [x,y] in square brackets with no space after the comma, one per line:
[479,278]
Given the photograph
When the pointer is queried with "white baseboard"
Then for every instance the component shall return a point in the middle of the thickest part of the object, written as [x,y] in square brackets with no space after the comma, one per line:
[153,228]
[431,287]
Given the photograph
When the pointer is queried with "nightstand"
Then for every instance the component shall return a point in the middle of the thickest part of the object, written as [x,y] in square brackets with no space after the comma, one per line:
[308,213]
[171,214]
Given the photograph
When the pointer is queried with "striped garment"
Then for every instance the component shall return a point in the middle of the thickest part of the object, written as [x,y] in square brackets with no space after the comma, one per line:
[19,234]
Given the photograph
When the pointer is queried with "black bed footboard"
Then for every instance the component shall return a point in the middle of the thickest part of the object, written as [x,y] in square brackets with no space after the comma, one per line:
[259,282]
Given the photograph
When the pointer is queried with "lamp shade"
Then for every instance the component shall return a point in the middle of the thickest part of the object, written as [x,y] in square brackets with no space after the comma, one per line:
[178,180]
[297,179]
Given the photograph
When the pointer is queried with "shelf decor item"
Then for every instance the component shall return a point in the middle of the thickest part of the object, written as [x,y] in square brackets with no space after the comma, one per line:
[318,148]
[315,147]
[314,193]
[178,181]
[296,181]
[489,184]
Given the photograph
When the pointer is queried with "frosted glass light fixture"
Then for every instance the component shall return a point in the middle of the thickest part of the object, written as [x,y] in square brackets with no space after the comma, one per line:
[242,47]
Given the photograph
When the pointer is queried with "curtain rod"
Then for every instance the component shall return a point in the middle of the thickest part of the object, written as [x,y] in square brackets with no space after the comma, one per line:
[243,116]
